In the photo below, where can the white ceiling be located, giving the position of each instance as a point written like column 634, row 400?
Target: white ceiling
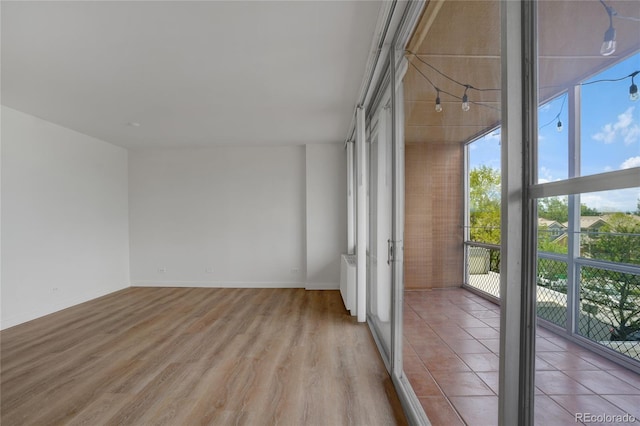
column 190, row 73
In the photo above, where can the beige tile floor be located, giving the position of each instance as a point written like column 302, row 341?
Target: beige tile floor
column 451, row 345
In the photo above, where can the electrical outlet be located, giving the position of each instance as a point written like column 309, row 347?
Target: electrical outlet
column 55, row 289
column 209, row 270
column 295, row 270
column 162, row 269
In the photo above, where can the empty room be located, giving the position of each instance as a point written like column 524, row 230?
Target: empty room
column 320, row 212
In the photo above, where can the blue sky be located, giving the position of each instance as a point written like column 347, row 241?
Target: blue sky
column 610, row 136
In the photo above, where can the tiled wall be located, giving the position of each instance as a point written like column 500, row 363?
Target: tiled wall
column 433, row 249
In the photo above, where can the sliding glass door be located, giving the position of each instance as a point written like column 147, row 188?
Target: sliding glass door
column 379, row 250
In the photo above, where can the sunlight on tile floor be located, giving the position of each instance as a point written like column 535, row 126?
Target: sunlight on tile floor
column 451, row 346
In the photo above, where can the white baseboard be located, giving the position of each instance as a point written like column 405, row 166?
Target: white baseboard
column 322, row 286
column 218, row 284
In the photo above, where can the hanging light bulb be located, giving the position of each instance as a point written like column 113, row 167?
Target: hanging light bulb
column 559, row 126
column 633, row 91
column 465, row 103
column 609, row 42
column 438, row 104
column 465, row 100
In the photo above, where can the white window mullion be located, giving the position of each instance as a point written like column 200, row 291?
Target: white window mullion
column 517, row 263
column 362, row 216
column 573, row 246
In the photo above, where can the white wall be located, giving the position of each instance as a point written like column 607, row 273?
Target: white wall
column 81, row 218
column 64, row 218
column 222, row 216
column 326, row 214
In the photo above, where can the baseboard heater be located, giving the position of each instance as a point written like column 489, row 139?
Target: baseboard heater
column 348, row 282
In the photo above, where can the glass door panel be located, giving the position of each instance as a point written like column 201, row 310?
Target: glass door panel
column 380, row 198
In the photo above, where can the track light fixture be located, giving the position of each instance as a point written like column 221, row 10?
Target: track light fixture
column 609, row 42
column 465, row 99
column 633, row 89
column 438, row 104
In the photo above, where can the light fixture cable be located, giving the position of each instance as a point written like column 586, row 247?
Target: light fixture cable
column 439, row 90
column 466, row 86
column 557, row 117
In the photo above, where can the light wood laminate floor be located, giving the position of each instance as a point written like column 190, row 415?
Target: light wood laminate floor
column 190, row 356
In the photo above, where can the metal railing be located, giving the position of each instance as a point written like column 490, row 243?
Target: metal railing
column 608, row 311
column 483, row 267
column 551, row 293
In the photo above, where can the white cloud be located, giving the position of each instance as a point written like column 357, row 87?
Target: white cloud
column 606, row 135
column 632, row 135
column 630, row 162
column 624, row 128
column 545, row 175
column 621, row 200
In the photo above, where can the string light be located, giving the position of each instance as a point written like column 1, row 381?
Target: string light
column 633, row 89
column 438, row 104
column 438, row 90
column 557, row 117
column 634, row 95
column 609, row 42
column 465, row 100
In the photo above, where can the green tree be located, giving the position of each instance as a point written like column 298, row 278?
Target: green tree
column 484, row 205
column 548, row 243
column 618, row 293
column 554, row 208
column 557, row 208
column 618, row 240
column 588, row 211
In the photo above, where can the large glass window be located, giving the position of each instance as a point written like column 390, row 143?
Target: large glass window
column 610, row 120
column 484, row 188
column 553, row 141
column 588, row 268
column 482, row 242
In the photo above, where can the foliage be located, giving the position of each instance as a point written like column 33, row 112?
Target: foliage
column 588, row 211
column 619, row 293
column 554, row 208
column 484, row 203
column 548, row 243
column 618, row 240
column 617, row 296
column 557, row 208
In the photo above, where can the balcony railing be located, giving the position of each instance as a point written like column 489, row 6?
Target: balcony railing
column 483, row 268
column 608, row 311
